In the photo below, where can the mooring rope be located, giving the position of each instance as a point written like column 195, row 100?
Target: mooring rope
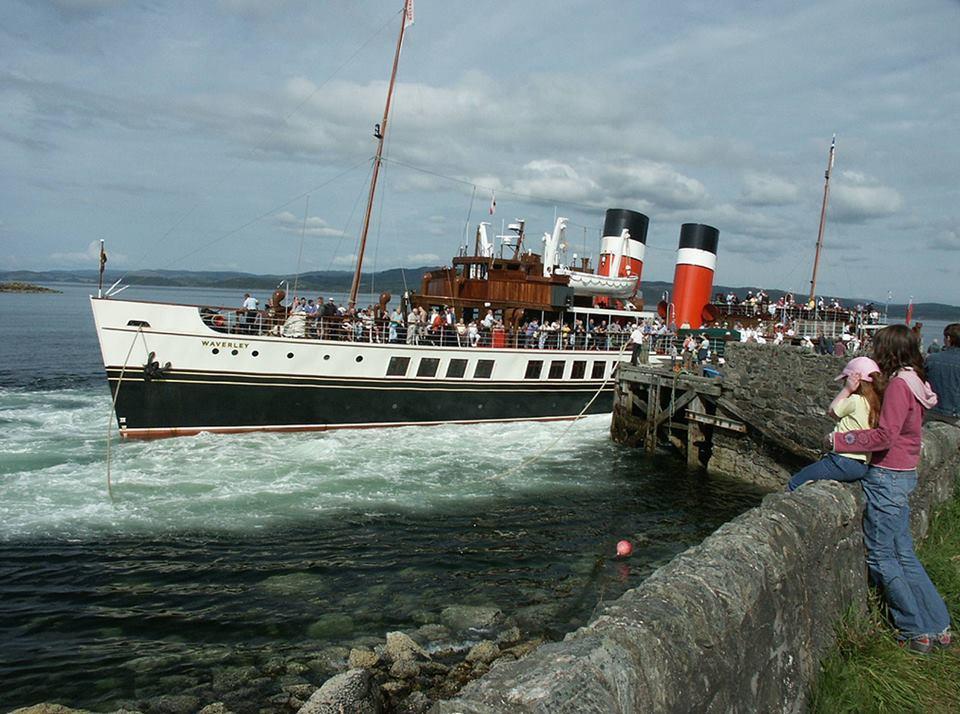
column 537, row 456
column 113, row 405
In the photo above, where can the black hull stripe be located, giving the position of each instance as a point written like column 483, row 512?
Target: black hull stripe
column 209, row 405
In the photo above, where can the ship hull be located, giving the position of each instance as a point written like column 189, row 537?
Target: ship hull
column 205, row 380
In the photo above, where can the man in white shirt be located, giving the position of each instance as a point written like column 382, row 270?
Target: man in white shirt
column 637, row 338
column 249, row 313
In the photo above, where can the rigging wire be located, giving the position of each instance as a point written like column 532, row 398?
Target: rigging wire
column 537, row 456
column 284, row 121
column 464, row 182
column 303, row 234
column 353, row 210
column 113, row 406
column 263, row 215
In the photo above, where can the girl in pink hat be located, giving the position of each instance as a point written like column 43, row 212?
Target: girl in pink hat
column 856, row 406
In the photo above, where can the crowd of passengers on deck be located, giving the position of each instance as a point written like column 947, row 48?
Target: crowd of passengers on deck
column 325, row 319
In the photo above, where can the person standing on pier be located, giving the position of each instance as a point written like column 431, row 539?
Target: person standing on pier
column 916, row 608
column 943, row 371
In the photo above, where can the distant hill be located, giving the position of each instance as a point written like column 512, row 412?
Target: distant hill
column 395, row 280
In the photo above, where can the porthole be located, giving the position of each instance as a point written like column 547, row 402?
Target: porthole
column 255, row 353
column 359, row 358
column 326, row 356
column 215, row 351
column 289, row 355
column 235, row 352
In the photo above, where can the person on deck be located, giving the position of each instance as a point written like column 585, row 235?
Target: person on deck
column 916, row 608
column 637, row 338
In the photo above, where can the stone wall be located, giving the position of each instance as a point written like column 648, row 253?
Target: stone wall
column 739, row 622
column 786, row 390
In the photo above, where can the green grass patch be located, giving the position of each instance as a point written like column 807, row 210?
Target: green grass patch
column 868, row 672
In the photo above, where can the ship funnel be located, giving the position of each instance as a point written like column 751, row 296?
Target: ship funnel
column 693, row 279
column 622, row 254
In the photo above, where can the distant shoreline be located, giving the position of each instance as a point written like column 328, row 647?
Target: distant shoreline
column 17, row 287
column 393, row 280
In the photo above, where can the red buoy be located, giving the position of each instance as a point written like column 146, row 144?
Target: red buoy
column 624, row 548
column 693, row 279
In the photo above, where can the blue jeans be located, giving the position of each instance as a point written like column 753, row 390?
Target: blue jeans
column 832, row 467
column 915, row 605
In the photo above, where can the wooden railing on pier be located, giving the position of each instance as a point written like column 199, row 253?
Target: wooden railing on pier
column 657, row 406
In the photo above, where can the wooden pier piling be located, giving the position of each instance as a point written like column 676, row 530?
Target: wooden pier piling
column 657, row 406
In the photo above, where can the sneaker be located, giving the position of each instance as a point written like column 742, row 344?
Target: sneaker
column 943, row 640
column 917, row 645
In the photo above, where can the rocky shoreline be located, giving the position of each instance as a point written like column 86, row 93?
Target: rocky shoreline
column 407, row 672
column 17, row 287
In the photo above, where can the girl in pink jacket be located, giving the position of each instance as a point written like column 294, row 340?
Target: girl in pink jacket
column 917, row 609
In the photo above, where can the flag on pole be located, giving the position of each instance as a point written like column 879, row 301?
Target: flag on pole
column 493, row 203
column 910, row 311
column 408, row 14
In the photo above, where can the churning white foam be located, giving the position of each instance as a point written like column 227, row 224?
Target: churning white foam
column 53, row 470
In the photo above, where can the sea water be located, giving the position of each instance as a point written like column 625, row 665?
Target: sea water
column 217, row 551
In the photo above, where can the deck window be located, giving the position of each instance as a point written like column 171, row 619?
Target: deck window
column 428, row 367
column 398, row 366
column 534, row 367
column 598, row 369
column 483, row 369
column 556, row 369
column 579, row 370
column 457, row 368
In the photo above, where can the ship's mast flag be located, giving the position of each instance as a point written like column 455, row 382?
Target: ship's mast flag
column 408, row 14
column 493, row 203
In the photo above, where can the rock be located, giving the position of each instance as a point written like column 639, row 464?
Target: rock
column 362, row 658
column 352, row 692
column 414, row 703
column 524, row 648
column 483, row 652
column 48, row 709
column 298, row 585
column 331, row 626
column 508, row 636
column 173, row 704
column 394, row 687
column 229, row 679
column 274, row 667
column 471, row 618
column 401, row 646
column 404, row 669
column 432, row 633
column 215, row 708
column 329, row 661
column 301, row 691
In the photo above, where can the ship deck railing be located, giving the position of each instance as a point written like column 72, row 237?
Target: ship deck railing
column 380, row 332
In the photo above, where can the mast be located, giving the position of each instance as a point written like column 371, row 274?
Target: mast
column 823, row 220
column 380, row 133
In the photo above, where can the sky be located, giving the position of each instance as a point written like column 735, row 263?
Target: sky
column 238, row 134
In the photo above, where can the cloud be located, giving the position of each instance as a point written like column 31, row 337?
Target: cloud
column 948, row 239
column 857, row 198
column 89, row 258
column 313, row 226
column 345, row 260
column 761, row 189
column 418, row 260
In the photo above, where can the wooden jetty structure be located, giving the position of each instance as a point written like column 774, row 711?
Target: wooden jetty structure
column 656, row 406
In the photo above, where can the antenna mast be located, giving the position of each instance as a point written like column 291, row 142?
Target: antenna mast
column 823, row 220
column 380, row 134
